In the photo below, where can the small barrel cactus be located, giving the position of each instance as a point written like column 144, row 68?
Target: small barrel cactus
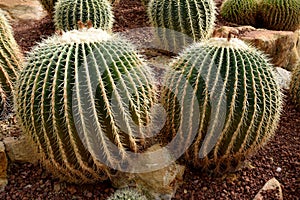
column 48, row 5
column 69, row 12
column 295, row 85
column 77, row 98
column 280, row 14
column 221, row 97
column 241, row 12
column 10, row 64
column 180, row 22
column 127, row 194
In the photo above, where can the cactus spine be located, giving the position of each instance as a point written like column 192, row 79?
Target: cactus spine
column 295, row 85
column 127, row 194
column 69, row 12
column 48, row 5
column 280, row 14
column 193, row 20
column 241, row 12
column 233, row 98
column 10, row 63
column 55, row 102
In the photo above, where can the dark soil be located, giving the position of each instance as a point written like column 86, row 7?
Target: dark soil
column 27, row 181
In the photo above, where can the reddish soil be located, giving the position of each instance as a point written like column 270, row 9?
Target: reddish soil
column 27, row 181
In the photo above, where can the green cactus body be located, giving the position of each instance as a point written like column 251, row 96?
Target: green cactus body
column 69, row 12
column 10, row 63
column 48, row 5
column 84, row 82
column 295, row 85
column 241, row 12
column 127, row 194
column 280, row 14
column 222, row 98
column 180, row 22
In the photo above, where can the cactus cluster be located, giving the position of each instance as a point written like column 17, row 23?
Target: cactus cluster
column 271, row 14
column 69, row 12
column 280, row 14
column 221, row 96
column 81, row 81
column 48, row 5
column 127, row 194
column 241, row 12
column 10, row 64
column 181, row 22
column 295, row 85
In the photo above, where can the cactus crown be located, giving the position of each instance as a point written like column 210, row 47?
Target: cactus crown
column 222, row 94
column 10, row 63
column 127, row 194
column 280, row 14
column 180, row 22
column 81, row 96
column 69, row 12
column 241, row 12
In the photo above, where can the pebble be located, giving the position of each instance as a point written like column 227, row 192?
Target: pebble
column 278, row 169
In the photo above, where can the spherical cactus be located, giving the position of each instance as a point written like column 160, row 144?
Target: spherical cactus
column 127, row 194
column 69, row 12
column 48, row 5
column 10, row 64
column 180, row 22
column 222, row 100
column 80, row 97
column 295, row 85
column 280, row 14
column 241, row 12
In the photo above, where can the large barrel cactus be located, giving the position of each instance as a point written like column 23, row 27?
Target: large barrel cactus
column 241, row 12
column 180, row 22
column 81, row 96
column 280, row 14
column 222, row 101
column 48, row 5
column 69, row 12
column 10, row 64
column 295, row 85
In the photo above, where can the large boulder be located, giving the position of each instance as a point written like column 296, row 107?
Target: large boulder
column 282, row 47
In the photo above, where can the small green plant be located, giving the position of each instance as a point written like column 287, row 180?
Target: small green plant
column 223, row 94
column 77, row 98
column 241, row 12
column 127, row 194
column 295, row 85
column 48, row 5
column 180, row 22
column 69, row 12
column 280, row 14
column 10, row 64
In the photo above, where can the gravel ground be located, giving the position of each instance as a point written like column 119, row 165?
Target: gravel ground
column 27, row 181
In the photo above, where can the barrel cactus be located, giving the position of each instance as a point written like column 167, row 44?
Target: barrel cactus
column 48, row 5
column 241, row 12
column 180, row 22
column 79, row 97
column 295, row 85
column 69, row 12
column 10, row 64
column 127, row 194
column 280, row 14
column 222, row 101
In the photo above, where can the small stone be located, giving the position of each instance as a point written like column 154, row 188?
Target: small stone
column 56, row 187
column 89, row 195
column 185, row 191
column 278, row 169
column 27, row 186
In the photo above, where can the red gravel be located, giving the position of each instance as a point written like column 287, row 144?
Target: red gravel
column 27, row 181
